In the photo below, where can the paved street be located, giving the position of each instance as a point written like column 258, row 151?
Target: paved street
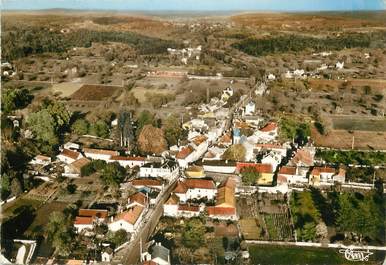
column 131, row 253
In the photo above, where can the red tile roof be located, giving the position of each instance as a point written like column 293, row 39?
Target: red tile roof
column 128, row 158
column 199, row 139
column 261, row 168
column 200, row 184
column 80, row 220
column 78, row 164
column 281, row 179
column 184, row 152
column 93, row 213
column 138, row 197
column 270, row 126
column 131, row 216
column 270, row 146
column 287, row 170
column 213, row 210
column 226, row 139
column 181, row 187
column 146, row 182
column 188, row 208
column 317, row 170
column 70, row 154
column 173, row 200
column 303, row 156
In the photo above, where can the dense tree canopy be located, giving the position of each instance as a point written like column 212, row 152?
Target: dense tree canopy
column 235, row 152
column 152, row 140
column 22, row 41
column 194, row 234
column 13, row 99
column 60, row 233
column 296, row 43
column 173, row 129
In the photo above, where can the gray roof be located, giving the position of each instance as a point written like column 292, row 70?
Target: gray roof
column 161, row 252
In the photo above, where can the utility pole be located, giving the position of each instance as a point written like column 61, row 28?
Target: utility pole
column 352, row 144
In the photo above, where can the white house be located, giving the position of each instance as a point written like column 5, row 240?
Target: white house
column 273, row 158
column 195, row 189
column 271, row 77
column 192, row 152
column 107, row 254
column 147, row 182
column 40, row 160
column 219, row 166
column 171, row 206
column 68, row 156
column 71, row 146
column 83, row 222
column 99, row 154
column 250, row 108
column 321, row 175
column 339, row 65
column 128, row 220
column 291, row 176
column 167, row 170
column 126, row 161
column 267, row 133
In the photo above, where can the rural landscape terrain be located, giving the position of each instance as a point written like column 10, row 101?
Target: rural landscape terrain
column 193, row 138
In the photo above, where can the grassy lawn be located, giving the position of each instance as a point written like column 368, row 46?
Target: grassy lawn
column 11, row 209
column 268, row 255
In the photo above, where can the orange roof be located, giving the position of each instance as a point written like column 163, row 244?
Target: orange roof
column 199, row 139
column 226, row 139
column 184, row 152
column 303, row 156
column 261, row 168
column 317, row 170
column 128, row 158
column 78, row 164
column 149, row 262
column 146, row 182
column 214, row 210
column 270, row 126
column 138, row 197
column 287, row 170
column 43, row 157
column 188, row 208
column 100, row 151
column 173, row 200
column 200, row 184
column 180, row 187
column 281, row 179
column 80, row 220
column 93, row 213
column 131, row 216
column 70, row 153
column 270, row 146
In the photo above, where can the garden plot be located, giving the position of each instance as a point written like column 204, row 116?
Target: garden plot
column 358, row 124
column 94, row 92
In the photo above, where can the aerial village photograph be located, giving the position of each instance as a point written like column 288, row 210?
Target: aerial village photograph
column 173, row 132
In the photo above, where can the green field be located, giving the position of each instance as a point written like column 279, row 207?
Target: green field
column 280, row 255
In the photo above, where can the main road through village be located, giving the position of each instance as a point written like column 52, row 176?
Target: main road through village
column 131, row 253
